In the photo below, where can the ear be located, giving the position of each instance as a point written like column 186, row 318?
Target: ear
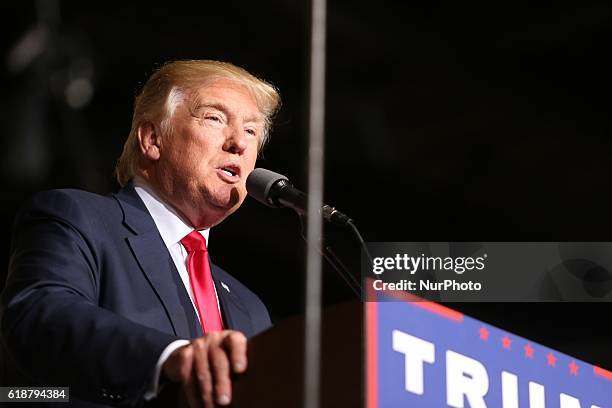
column 149, row 140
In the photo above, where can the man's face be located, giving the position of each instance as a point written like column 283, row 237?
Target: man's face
column 210, row 151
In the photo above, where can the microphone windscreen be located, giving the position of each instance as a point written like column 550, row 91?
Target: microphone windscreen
column 259, row 183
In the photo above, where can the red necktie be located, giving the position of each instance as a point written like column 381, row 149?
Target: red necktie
column 201, row 282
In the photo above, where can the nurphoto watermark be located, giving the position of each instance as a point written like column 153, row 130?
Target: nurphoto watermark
column 490, row 271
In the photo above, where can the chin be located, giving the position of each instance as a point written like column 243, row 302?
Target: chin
column 229, row 204
column 225, row 209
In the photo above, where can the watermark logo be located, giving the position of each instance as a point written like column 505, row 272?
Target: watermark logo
column 412, row 264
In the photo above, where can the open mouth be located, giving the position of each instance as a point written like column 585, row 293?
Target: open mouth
column 230, row 172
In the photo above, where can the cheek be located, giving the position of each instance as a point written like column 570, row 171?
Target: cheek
column 186, row 163
column 250, row 160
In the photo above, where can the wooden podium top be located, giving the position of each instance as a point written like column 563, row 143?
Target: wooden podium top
column 275, row 374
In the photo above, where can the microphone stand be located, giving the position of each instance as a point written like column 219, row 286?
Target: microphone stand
column 329, row 255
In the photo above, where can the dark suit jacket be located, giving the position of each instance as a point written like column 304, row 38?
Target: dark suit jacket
column 93, row 298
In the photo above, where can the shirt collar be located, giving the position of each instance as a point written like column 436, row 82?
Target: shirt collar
column 170, row 224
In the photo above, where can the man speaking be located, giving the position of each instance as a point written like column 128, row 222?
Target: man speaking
column 114, row 296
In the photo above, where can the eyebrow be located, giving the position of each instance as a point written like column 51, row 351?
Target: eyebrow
column 220, row 106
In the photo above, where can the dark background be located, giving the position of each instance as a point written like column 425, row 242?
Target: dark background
column 445, row 122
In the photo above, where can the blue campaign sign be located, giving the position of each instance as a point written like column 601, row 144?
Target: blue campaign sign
column 422, row 354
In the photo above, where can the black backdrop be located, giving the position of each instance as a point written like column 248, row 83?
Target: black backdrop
column 458, row 121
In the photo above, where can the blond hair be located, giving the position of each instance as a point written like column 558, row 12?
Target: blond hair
column 166, row 89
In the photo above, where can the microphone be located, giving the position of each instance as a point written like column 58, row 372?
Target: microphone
column 275, row 190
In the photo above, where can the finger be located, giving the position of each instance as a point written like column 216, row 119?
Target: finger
column 201, row 372
column 190, row 388
column 220, row 368
column 178, row 365
column 236, row 345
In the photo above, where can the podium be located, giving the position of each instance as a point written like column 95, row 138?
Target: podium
column 413, row 353
column 275, row 373
column 276, row 363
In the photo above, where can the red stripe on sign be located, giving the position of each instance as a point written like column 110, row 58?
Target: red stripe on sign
column 371, row 371
column 440, row 310
column 414, row 300
column 602, row 373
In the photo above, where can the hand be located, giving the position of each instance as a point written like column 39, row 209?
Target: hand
column 203, row 367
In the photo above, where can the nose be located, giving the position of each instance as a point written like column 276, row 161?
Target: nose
column 236, row 140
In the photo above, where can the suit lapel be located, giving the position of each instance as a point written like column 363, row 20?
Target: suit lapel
column 157, row 265
column 235, row 313
column 154, row 259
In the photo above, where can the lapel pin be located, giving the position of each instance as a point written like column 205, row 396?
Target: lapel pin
column 225, row 286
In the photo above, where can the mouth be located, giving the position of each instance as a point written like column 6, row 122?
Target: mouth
column 230, row 173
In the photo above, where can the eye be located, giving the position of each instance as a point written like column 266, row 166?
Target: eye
column 251, row 132
column 213, row 118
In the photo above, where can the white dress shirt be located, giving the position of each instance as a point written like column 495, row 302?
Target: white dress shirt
column 172, row 229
